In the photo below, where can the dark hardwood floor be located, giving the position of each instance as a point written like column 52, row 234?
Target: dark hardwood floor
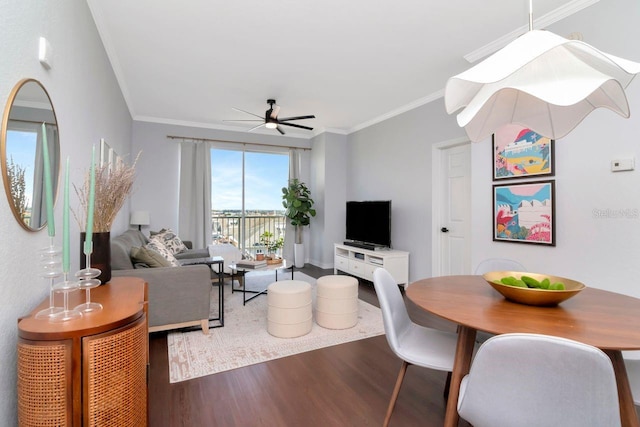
column 348, row 384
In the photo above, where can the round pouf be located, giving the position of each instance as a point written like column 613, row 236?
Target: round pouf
column 289, row 308
column 337, row 302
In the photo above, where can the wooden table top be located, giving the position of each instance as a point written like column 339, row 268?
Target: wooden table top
column 604, row 319
column 123, row 300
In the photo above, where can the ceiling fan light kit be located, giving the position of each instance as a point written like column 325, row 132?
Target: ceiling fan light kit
column 542, row 81
column 271, row 119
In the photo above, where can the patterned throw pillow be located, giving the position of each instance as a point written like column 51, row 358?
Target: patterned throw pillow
column 169, row 239
column 157, row 246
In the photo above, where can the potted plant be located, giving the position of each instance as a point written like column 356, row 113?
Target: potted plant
column 296, row 198
column 268, row 240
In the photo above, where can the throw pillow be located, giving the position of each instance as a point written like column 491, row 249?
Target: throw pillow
column 154, row 233
column 156, row 245
column 149, row 257
column 168, row 238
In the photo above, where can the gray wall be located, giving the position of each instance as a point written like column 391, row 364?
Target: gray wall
column 89, row 106
column 329, row 165
column 392, row 161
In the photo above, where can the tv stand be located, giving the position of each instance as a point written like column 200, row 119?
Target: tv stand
column 361, row 245
column 361, row 262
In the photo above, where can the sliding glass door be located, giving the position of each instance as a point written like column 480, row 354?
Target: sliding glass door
column 246, row 197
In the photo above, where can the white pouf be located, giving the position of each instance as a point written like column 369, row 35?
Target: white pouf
column 337, row 302
column 289, row 312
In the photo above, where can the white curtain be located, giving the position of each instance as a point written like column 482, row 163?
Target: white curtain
column 194, row 215
column 290, row 231
column 38, row 199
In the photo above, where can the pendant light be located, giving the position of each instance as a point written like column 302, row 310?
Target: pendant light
column 541, row 81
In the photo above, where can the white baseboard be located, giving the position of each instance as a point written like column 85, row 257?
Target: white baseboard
column 320, row 264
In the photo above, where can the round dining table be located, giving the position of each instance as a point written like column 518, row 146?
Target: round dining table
column 603, row 319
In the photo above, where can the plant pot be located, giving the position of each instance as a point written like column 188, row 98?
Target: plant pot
column 298, row 255
column 101, row 255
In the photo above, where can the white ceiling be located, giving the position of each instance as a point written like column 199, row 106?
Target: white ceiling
column 349, row 62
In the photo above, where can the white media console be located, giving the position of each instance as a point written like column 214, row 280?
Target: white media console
column 362, row 262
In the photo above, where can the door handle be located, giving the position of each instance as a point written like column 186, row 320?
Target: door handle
column 444, row 229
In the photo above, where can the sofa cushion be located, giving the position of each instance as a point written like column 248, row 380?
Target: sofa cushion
column 169, row 239
column 150, row 258
column 157, row 246
column 121, row 248
column 193, row 253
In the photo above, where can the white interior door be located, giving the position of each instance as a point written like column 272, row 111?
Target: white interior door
column 452, row 210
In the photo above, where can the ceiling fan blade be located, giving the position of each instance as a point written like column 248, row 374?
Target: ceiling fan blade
column 243, row 120
column 256, row 127
column 242, row 111
column 280, row 130
column 295, row 126
column 275, row 111
column 297, row 118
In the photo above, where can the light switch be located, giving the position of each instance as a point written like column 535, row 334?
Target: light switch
column 44, row 53
column 620, row 165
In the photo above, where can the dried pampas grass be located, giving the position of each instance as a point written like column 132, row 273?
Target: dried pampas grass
column 111, row 190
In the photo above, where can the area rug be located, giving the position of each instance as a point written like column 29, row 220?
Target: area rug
column 244, row 339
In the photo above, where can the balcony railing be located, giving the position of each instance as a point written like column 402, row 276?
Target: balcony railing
column 230, row 229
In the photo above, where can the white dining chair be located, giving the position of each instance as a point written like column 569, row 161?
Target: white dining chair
column 414, row 344
column 522, row 380
column 498, row 264
column 632, row 364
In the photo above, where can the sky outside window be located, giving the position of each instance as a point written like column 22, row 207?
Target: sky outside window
column 265, row 175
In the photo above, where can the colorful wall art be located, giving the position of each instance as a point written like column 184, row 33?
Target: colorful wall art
column 521, row 153
column 524, row 212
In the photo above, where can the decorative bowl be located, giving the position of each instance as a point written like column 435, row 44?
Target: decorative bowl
column 533, row 296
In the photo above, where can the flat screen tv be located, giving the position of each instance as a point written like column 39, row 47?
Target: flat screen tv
column 369, row 222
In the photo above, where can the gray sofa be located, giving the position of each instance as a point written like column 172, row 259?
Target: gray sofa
column 178, row 296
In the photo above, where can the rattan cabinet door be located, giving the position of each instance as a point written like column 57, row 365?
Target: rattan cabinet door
column 44, row 375
column 115, row 377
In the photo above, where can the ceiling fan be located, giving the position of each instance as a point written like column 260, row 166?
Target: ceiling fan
column 271, row 120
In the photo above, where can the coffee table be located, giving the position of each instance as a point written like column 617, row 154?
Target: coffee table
column 219, row 262
column 241, row 273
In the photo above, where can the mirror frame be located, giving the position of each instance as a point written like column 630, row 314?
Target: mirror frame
column 3, row 151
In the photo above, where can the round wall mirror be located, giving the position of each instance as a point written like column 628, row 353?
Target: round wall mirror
column 28, row 118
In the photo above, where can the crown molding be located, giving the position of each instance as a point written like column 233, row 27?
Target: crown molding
column 106, row 39
column 408, row 107
column 214, row 126
column 542, row 22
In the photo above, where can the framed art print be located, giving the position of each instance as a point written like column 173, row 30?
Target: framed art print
column 519, row 152
column 524, row 212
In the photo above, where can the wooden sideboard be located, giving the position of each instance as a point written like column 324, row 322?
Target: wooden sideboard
column 91, row 371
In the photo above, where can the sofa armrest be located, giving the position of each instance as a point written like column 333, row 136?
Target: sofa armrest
column 193, row 253
column 176, row 294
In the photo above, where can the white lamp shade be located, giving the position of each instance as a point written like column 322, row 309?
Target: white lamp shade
column 541, row 81
column 139, row 218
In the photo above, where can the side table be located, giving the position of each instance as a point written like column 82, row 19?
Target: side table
column 218, row 261
column 88, row 371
